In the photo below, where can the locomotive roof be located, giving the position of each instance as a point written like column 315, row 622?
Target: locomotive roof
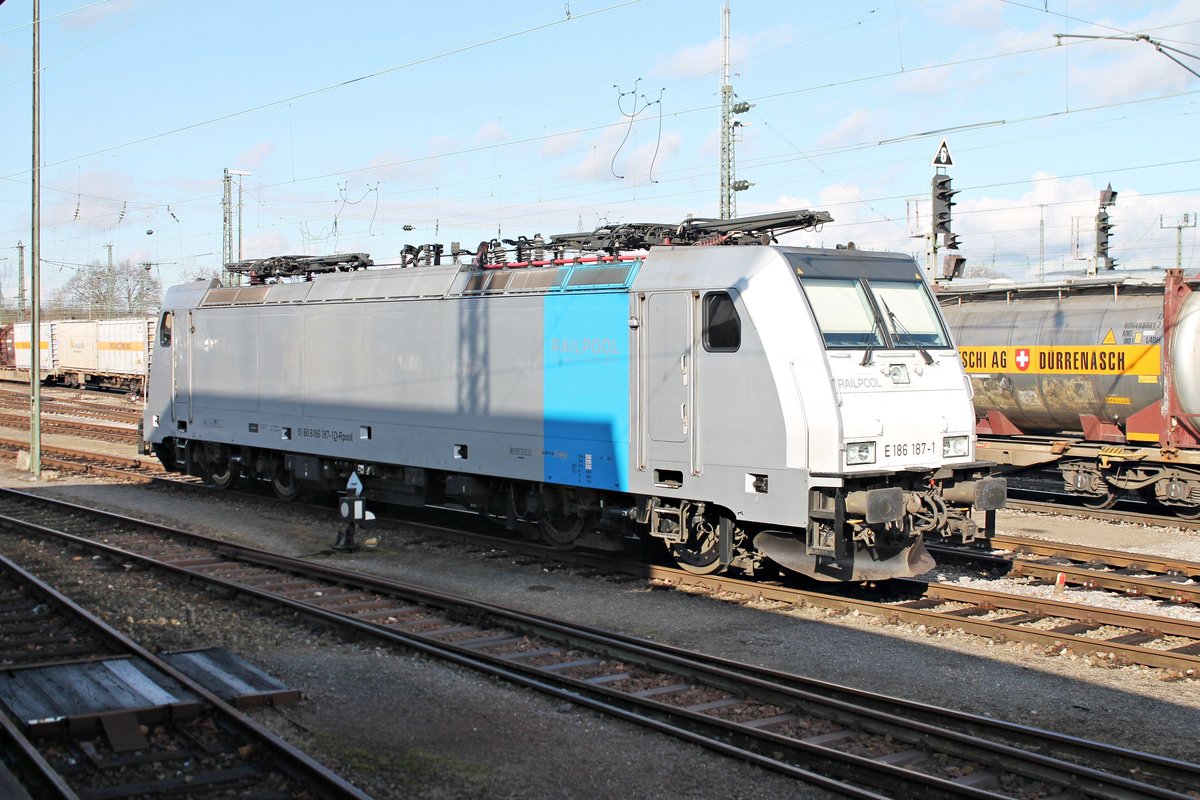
column 672, row 267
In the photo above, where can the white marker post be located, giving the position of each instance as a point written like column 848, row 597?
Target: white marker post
column 353, row 508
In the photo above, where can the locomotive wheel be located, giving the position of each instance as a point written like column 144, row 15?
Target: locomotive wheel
column 558, row 526
column 286, row 487
column 562, row 532
column 698, row 558
column 222, row 477
column 700, row 553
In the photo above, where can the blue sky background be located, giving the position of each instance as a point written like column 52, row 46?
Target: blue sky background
column 468, row 119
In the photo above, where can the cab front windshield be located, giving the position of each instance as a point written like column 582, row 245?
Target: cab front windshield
column 858, row 313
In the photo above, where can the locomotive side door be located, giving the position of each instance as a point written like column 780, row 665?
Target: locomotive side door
column 181, row 367
column 667, row 385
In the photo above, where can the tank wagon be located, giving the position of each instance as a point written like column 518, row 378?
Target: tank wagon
column 111, row 353
column 1095, row 382
column 736, row 403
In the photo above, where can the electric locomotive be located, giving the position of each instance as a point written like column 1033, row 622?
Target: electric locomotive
column 697, row 384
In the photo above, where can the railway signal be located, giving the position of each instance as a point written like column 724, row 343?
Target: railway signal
column 1104, row 228
column 943, row 202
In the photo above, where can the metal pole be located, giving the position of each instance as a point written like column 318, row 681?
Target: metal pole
column 726, row 204
column 1041, row 244
column 35, row 282
column 239, row 217
column 1186, row 221
column 227, row 231
column 20, row 282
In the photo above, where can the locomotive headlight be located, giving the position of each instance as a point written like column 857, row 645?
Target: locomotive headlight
column 955, row 446
column 860, row 453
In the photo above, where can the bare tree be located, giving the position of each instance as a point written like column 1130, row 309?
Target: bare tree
column 101, row 291
column 202, row 274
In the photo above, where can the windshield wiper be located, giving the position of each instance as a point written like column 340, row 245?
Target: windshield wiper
column 901, row 329
column 877, row 325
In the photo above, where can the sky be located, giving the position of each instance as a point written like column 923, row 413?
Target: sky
column 367, row 125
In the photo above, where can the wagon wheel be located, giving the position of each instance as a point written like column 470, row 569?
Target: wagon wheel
column 1099, row 502
column 1186, row 512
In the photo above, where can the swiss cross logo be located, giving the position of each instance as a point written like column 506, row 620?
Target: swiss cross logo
column 1022, row 358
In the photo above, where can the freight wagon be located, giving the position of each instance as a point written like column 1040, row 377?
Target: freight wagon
column 1093, row 381
column 111, row 353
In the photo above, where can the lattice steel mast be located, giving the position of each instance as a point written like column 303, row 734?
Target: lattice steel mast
column 728, row 204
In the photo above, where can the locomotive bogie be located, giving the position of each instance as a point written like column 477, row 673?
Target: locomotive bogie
column 684, row 395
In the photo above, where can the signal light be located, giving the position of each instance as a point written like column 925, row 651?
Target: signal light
column 1103, row 233
column 942, row 203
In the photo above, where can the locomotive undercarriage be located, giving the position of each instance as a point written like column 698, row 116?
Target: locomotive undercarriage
column 870, row 531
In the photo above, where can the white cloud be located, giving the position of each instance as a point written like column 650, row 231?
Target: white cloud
column 252, row 159
column 860, row 125
column 976, row 15
column 90, row 16
column 490, row 132
column 702, row 59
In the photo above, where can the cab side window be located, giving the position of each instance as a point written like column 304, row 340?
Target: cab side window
column 164, row 328
column 722, row 325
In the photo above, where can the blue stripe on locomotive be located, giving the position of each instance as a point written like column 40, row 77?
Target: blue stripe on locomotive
column 586, row 389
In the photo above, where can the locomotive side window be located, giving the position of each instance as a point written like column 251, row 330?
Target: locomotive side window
column 844, row 312
column 722, row 325
column 164, row 328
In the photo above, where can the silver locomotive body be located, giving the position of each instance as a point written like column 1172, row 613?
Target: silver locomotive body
column 685, row 393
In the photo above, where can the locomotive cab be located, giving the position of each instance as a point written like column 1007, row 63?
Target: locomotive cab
column 833, row 435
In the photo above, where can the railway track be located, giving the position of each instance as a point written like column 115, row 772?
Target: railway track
column 1133, row 513
column 85, row 462
column 1042, row 562
column 69, row 427
column 1109, row 636
column 175, row 737
column 68, row 404
column 858, row 743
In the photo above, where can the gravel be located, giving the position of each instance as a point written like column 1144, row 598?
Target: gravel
column 401, row 725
